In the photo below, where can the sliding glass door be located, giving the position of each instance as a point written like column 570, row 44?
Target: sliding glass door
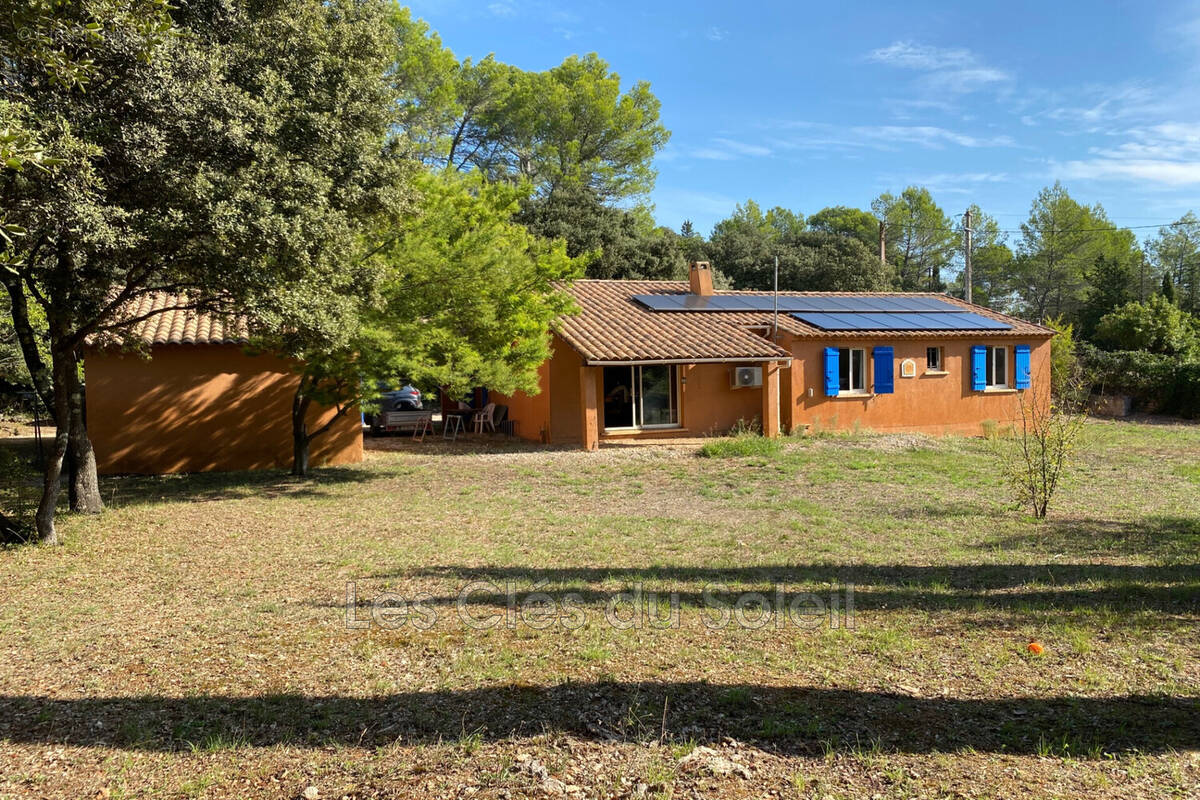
column 641, row 397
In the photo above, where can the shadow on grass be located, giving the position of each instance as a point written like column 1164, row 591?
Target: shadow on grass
column 794, row 720
column 199, row 487
column 1174, row 589
column 1155, row 536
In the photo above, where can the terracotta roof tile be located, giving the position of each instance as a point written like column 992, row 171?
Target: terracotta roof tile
column 612, row 326
column 161, row 321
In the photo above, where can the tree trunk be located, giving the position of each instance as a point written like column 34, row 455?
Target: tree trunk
column 300, row 450
column 51, row 485
column 27, row 339
column 85, row 483
column 300, row 438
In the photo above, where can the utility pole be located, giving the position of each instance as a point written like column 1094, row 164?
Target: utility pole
column 882, row 243
column 775, row 321
column 967, row 281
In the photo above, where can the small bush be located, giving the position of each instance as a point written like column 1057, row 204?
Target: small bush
column 1156, row 382
column 741, row 446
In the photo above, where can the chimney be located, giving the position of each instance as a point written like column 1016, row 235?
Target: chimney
column 700, row 277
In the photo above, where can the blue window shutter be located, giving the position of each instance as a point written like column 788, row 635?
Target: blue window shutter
column 1022, row 358
column 978, row 367
column 885, row 382
column 831, row 372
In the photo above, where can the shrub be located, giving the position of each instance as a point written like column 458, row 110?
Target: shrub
column 1157, row 382
column 1064, row 363
column 741, row 446
column 1040, row 450
column 1157, row 326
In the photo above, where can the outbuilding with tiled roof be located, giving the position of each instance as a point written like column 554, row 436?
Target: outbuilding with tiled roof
column 177, row 391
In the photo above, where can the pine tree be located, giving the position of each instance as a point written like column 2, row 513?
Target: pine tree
column 1168, row 288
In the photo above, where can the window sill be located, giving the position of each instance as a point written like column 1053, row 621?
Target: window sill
column 999, row 390
column 851, row 395
column 937, row 372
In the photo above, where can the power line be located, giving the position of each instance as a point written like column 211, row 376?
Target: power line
column 1110, row 229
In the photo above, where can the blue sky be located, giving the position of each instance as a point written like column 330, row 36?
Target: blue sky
column 807, row 105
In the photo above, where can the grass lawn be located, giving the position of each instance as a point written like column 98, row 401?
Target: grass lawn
column 195, row 639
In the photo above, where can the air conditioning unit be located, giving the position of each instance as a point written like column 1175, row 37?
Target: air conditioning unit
column 745, row 377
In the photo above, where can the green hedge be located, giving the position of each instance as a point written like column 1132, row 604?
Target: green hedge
column 1155, row 382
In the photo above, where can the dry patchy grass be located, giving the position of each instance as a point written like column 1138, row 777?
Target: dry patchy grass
column 193, row 641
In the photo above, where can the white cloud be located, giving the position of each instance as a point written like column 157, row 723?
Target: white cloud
column 904, row 108
column 803, row 135
column 955, row 70
column 743, row 148
column 716, row 34
column 1093, row 107
column 717, row 149
column 1165, row 173
column 910, row 55
column 927, row 136
column 502, row 9
column 1167, row 155
column 952, row 182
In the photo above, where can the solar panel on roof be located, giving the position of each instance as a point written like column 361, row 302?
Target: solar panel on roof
column 692, row 302
column 930, row 310
column 660, row 302
column 900, row 321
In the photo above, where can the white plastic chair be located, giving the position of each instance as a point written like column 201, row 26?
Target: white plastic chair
column 485, row 417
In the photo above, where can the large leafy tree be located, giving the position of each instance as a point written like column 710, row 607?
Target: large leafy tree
column 467, row 296
column 1110, row 286
column 847, row 221
column 457, row 295
column 618, row 242
column 217, row 163
column 568, row 126
column 584, row 145
column 1059, row 244
column 921, row 239
column 1175, row 252
column 745, row 246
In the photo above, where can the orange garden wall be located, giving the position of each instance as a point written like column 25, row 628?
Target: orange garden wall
column 926, row 403
column 199, row 408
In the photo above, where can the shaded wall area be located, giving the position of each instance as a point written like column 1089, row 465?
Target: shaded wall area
column 202, row 408
column 707, row 404
column 930, row 402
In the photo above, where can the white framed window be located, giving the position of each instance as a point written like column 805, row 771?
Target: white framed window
column 933, row 359
column 852, row 370
column 995, row 375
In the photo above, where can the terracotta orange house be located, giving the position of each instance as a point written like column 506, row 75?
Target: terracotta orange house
column 656, row 359
column 199, row 403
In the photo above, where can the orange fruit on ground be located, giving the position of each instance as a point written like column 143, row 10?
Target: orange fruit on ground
column 1036, row 648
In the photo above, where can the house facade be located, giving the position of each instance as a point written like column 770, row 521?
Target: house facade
column 199, row 402
column 659, row 359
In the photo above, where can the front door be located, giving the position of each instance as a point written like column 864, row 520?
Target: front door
column 618, row 397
